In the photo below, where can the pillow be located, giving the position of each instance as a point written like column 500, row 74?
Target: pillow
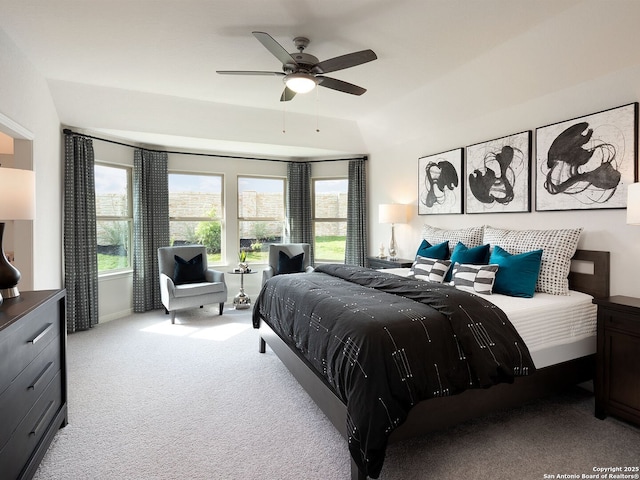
column 465, row 255
column 471, row 237
column 558, row 246
column 188, row 271
column 288, row 264
column 478, row 278
column 429, row 269
column 518, row 274
column 439, row 251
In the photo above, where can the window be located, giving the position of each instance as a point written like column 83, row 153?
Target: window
column 330, row 219
column 196, row 212
column 261, row 206
column 114, row 218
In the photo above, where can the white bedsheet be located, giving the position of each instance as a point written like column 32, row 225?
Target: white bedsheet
column 555, row 328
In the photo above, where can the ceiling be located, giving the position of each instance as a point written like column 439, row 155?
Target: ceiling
column 172, row 48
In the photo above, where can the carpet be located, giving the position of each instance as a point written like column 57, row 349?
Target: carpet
column 195, row 400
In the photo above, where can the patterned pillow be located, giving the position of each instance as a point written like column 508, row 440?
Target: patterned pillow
column 429, row 269
column 558, row 246
column 478, row 278
column 471, row 237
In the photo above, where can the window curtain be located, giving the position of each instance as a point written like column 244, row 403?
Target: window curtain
column 357, row 241
column 150, row 225
column 299, row 204
column 80, row 242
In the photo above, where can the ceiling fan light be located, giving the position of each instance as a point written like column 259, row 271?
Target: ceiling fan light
column 300, row 82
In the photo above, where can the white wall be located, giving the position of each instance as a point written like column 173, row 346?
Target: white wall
column 26, row 101
column 537, row 79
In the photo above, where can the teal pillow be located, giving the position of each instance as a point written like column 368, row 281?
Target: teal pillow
column 469, row 256
column 517, row 274
column 437, row 252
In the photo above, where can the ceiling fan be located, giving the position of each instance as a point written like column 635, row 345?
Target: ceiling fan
column 301, row 72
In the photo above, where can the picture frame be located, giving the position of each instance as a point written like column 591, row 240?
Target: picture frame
column 499, row 175
column 440, row 183
column 587, row 162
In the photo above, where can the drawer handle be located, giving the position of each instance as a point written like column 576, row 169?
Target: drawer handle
column 42, row 334
column 40, row 421
column 40, row 377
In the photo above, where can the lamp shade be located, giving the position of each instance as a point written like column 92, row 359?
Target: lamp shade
column 392, row 213
column 300, row 82
column 633, row 204
column 17, row 194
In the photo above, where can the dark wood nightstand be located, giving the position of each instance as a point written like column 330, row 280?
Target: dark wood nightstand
column 375, row 262
column 617, row 383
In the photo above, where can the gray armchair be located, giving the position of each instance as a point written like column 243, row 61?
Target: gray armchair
column 203, row 286
column 291, row 249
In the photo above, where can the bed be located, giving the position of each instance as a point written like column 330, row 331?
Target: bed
column 555, row 359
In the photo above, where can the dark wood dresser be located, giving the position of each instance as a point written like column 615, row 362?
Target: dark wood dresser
column 33, row 379
column 617, row 384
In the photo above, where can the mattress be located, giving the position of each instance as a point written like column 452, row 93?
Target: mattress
column 555, row 328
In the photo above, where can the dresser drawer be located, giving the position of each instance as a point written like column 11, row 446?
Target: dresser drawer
column 21, row 342
column 621, row 321
column 27, row 387
column 14, row 455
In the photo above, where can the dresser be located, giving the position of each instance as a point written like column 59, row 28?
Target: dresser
column 33, row 379
column 617, row 383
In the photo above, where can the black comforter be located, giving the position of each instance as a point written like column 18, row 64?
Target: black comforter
column 386, row 342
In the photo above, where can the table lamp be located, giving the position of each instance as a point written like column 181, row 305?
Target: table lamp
column 633, row 204
column 392, row 213
column 17, row 202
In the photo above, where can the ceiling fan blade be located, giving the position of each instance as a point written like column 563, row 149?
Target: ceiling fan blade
column 340, row 85
column 275, row 48
column 249, row 72
column 287, row 94
column 346, row 61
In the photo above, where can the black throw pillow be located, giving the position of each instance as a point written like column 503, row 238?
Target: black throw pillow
column 290, row 265
column 188, row 271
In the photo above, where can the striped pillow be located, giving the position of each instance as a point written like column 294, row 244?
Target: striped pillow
column 429, row 269
column 478, row 278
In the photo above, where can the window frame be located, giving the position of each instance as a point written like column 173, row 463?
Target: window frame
column 315, row 219
column 220, row 216
column 115, row 218
column 240, row 218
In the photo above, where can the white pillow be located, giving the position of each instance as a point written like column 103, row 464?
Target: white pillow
column 558, row 246
column 478, row 278
column 429, row 269
column 471, row 237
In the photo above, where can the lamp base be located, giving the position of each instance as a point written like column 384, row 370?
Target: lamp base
column 10, row 292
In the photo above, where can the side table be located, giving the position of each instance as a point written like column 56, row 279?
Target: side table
column 377, row 262
column 242, row 301
column 617, row 382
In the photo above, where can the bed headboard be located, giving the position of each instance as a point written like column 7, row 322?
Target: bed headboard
column 595, row 282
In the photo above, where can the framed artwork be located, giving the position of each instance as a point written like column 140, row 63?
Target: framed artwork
column 440, row 180
column 587, row 162
column 499, row 175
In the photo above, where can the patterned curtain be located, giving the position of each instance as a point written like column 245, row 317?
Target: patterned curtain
column 150, row 225
column 357, row 241
column 299, row 204
column 80, row 242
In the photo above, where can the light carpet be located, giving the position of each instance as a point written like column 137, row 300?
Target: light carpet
column 195, row 400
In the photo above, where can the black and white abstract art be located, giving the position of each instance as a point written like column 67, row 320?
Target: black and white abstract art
column 440, row 181
column 587, row 162
column 498, row 178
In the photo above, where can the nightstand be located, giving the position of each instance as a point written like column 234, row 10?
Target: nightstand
column 375, row 262
column 617, row 383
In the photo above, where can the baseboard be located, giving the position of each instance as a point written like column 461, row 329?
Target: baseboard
column 115, row 316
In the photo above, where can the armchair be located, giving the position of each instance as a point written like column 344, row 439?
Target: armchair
column 291, row 250
column 188, row 282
